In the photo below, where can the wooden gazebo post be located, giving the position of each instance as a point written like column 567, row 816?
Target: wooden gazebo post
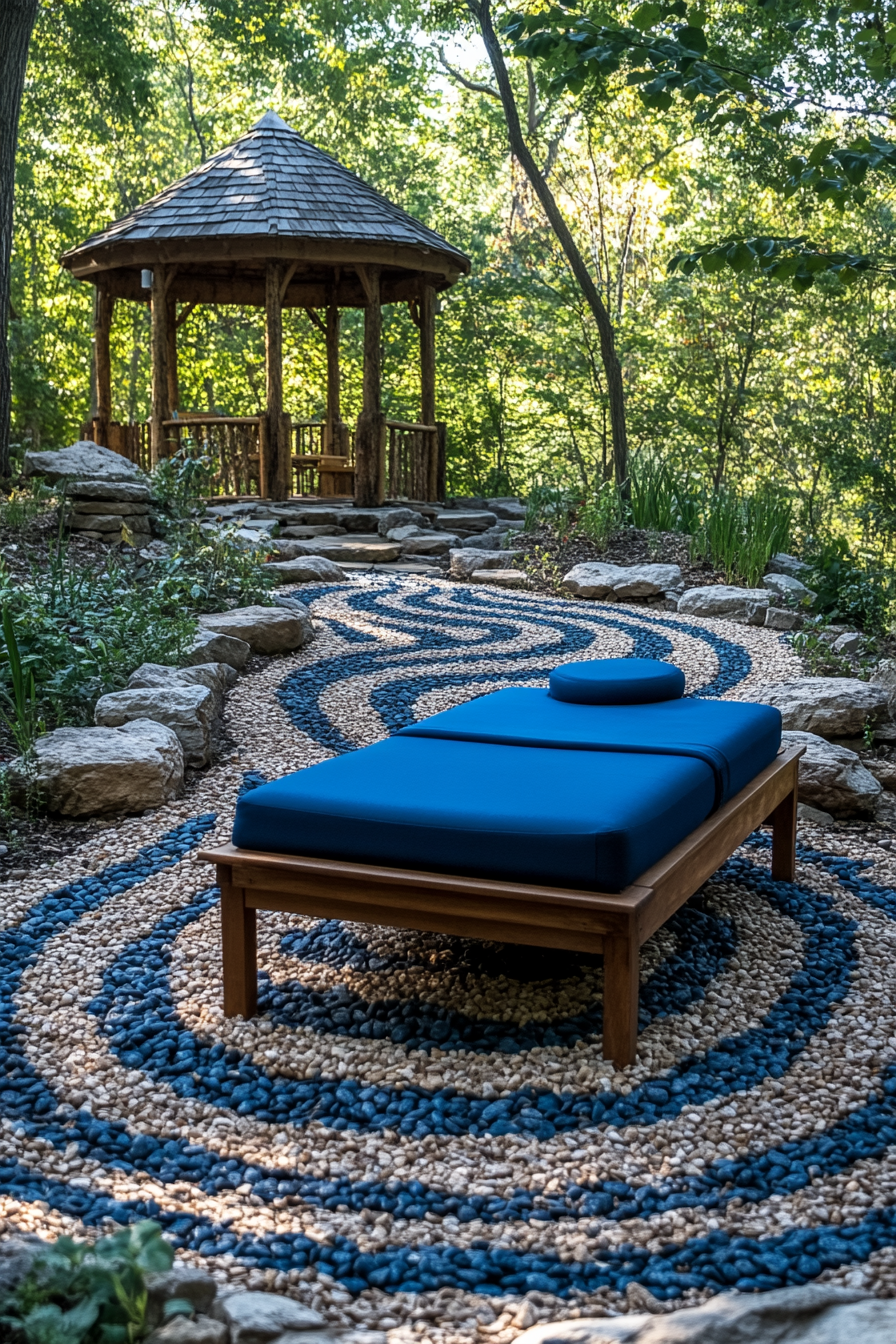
column 428, row 380
column 333, row 438
column 275, row 473
column 102, row 327
column 171, row 357
column 159, row 347
column 370, row 465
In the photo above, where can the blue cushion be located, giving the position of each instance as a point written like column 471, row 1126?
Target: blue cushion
column 735, row 739
column 586, row 819
column 617, row 681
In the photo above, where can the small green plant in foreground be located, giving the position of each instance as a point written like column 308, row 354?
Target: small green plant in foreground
column 82, row 1293
column 210, row 570
column 20, row 507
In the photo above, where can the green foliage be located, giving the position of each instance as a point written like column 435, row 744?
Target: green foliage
column 179, row 481
column 80, row 632
column 858, row 590
column 208, row 570
column 662, row 501
column 21, row 506
column 83, row 1293
column 794, row 259
column 551, row 505
column 738, row 534
column 601, row 515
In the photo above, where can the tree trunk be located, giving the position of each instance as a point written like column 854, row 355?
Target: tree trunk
column 17, row 18
column 481, row 11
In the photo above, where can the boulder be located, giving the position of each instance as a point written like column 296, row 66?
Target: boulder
column 187, row 1330
column 884, row 771
column 264, row 629
column 358, row 520
column 217, row 677
column 456, row 521
column 815, row 1313
column 84, row 772
column 82, row 461
column 621, row 583
column 495, row 539
column 502, row 578
column 393, row 518
column 186, row 1282
column 833, row 778
column 17, row 1255
column 813, row 816
column 785, row 585
column 129, row 492
column 466, row 560
column 847, row 643
column 781, row 618
column 187, row 710
column 306, row 569
column 832, row 707
column 210, row 647
column 723, row 600
column 255, row 1318
column 429, row 543
column 511, row 509
column 786, row 564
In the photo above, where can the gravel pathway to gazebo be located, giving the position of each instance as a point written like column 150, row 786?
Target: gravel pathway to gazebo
column 419, row 1132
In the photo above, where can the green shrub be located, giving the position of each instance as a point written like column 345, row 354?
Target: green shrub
column 208, row 570
column 550, row 504
column 81, row 632
column 78, row 1293
column 857, row 589
column 179, row 481
column 602, row 515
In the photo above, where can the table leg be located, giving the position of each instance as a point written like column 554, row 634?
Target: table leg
column 621, row 983
column 783, row 821
column 239, row 949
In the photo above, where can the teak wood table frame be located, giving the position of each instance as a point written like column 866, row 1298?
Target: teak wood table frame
column 510, row 912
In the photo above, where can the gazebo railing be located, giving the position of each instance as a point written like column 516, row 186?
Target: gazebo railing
column 411, row 459
column 314, row 471
column 232, row 441
column 131, row 440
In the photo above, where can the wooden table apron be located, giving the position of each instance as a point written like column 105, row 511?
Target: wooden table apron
column 511, row 912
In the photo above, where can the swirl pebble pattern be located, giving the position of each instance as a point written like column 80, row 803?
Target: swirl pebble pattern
column 421, row 1129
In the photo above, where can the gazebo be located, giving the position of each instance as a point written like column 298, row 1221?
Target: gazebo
column 274, row 222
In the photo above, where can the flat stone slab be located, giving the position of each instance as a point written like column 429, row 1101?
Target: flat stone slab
column 134, row 492
column 84, row 461
column 88, row 772
column 265, row 629
column 501, row 578
column 373, row 552
column 305, row 569
column 454, row 520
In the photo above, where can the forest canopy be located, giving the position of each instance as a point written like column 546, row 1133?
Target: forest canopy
column 725, row 171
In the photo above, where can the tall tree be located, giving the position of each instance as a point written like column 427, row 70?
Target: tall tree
column 481, row 11
column 17, row 19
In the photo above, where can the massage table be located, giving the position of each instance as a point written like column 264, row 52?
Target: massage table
column 579, row 817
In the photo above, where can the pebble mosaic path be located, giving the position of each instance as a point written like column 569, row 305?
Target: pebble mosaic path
column 418, row 1134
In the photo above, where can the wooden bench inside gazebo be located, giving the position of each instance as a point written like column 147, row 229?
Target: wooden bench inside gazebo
column 273, row 222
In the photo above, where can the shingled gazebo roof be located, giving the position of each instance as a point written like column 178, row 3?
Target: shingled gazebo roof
column 270, row 195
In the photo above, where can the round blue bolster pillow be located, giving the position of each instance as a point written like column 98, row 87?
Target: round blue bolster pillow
column 617, row 681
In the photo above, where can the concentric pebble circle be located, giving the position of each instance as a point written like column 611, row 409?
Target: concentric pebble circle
column 418, row 1131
